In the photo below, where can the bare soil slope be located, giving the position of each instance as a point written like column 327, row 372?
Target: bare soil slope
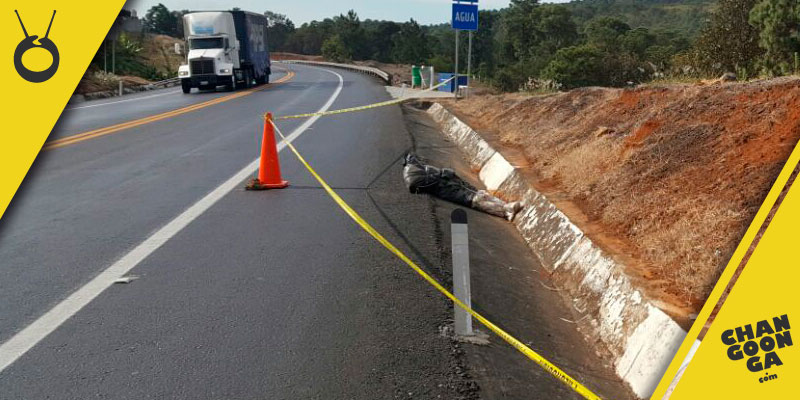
column 97, row 81
column 669, row 177
column 159, row 51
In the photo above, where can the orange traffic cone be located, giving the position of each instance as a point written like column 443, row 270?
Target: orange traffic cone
column 269, row 173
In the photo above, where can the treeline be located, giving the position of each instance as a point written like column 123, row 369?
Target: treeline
column 346, row 37
column 749, row 37
column 533, row 46
column 526, row 45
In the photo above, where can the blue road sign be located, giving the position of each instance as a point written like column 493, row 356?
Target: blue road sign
column 465, row 17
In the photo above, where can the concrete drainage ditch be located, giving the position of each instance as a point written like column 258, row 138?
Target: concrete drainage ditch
column 638, row 337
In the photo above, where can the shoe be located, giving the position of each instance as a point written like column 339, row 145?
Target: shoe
column 512, row 209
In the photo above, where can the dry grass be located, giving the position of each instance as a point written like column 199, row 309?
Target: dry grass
column 159, row 51
column 674, row 173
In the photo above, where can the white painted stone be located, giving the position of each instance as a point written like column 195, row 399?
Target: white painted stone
column 495, row 172
column 641, row 338
column 649, row 351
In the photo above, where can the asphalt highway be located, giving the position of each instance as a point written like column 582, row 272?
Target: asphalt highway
column 262, row 295
column 243, row 295
column 90, row 115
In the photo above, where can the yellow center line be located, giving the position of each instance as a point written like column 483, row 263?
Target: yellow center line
column 80, row 137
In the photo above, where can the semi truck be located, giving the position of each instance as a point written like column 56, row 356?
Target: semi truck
column 225, row 48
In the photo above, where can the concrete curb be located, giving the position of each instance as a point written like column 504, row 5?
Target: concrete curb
column 639, row 338
column 385, row 76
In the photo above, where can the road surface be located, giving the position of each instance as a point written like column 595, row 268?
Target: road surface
column 245, row 294
column 263, row 295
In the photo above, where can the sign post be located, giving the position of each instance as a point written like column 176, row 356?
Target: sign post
column 469, row 64
column 465, row 18
column 455, row 74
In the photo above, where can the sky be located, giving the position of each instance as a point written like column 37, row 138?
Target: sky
column 300, row 11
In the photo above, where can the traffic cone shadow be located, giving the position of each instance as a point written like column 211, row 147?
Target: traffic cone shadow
column 269, row 172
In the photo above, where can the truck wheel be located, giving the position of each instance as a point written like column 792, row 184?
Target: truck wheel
column 186, row 86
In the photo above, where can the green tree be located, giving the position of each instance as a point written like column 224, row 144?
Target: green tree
column 777, row 22
column 577, row 66
column 308, row 39
column 334, row 49
column 634, row 38
column 666, row 44
column 410, row 44
column 554, row 28
column 529, row 35
column 348, row 28
column 279, row 28
column 685, row 16
column 159, row 19
column 729, row 43
column 518, row 26
column 531, row 28
column 484, row 49
column 606, row 33
column 381, row 39
column 637, row 41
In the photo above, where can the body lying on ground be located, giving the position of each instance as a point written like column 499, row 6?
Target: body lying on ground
column 446, row 185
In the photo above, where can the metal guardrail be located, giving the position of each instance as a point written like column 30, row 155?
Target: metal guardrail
column 385, row 76
column 165, row 82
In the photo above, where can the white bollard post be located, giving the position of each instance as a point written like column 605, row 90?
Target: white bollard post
column 460, row 242
column 120, row 87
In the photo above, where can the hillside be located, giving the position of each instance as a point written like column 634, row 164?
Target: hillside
column 158, row 51
column 140, row 59
column 667, row 178
column 686, row 16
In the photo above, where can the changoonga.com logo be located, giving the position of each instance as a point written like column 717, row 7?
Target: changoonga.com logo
column 760, row 345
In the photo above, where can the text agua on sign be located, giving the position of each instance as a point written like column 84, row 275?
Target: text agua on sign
column 464, row 16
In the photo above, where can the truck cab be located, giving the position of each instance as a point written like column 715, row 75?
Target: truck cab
column 225, row 48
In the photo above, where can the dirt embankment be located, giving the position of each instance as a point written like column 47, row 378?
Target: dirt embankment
column 668, row 177
column 156, row 51
column 401, row 73
column 94, row 81
column 159, row 51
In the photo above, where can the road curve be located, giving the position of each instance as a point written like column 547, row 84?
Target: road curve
column 82, row 117
column 264, row 295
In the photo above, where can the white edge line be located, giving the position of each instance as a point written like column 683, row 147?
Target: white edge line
column 27, row 338
column 123, row 101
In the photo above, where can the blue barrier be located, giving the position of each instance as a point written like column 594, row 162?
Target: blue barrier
column 463, row 80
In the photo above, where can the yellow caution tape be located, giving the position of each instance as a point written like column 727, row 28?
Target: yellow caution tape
column 361, row 108
column 546, row 365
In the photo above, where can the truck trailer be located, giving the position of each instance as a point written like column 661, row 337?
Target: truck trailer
column 225, row 48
